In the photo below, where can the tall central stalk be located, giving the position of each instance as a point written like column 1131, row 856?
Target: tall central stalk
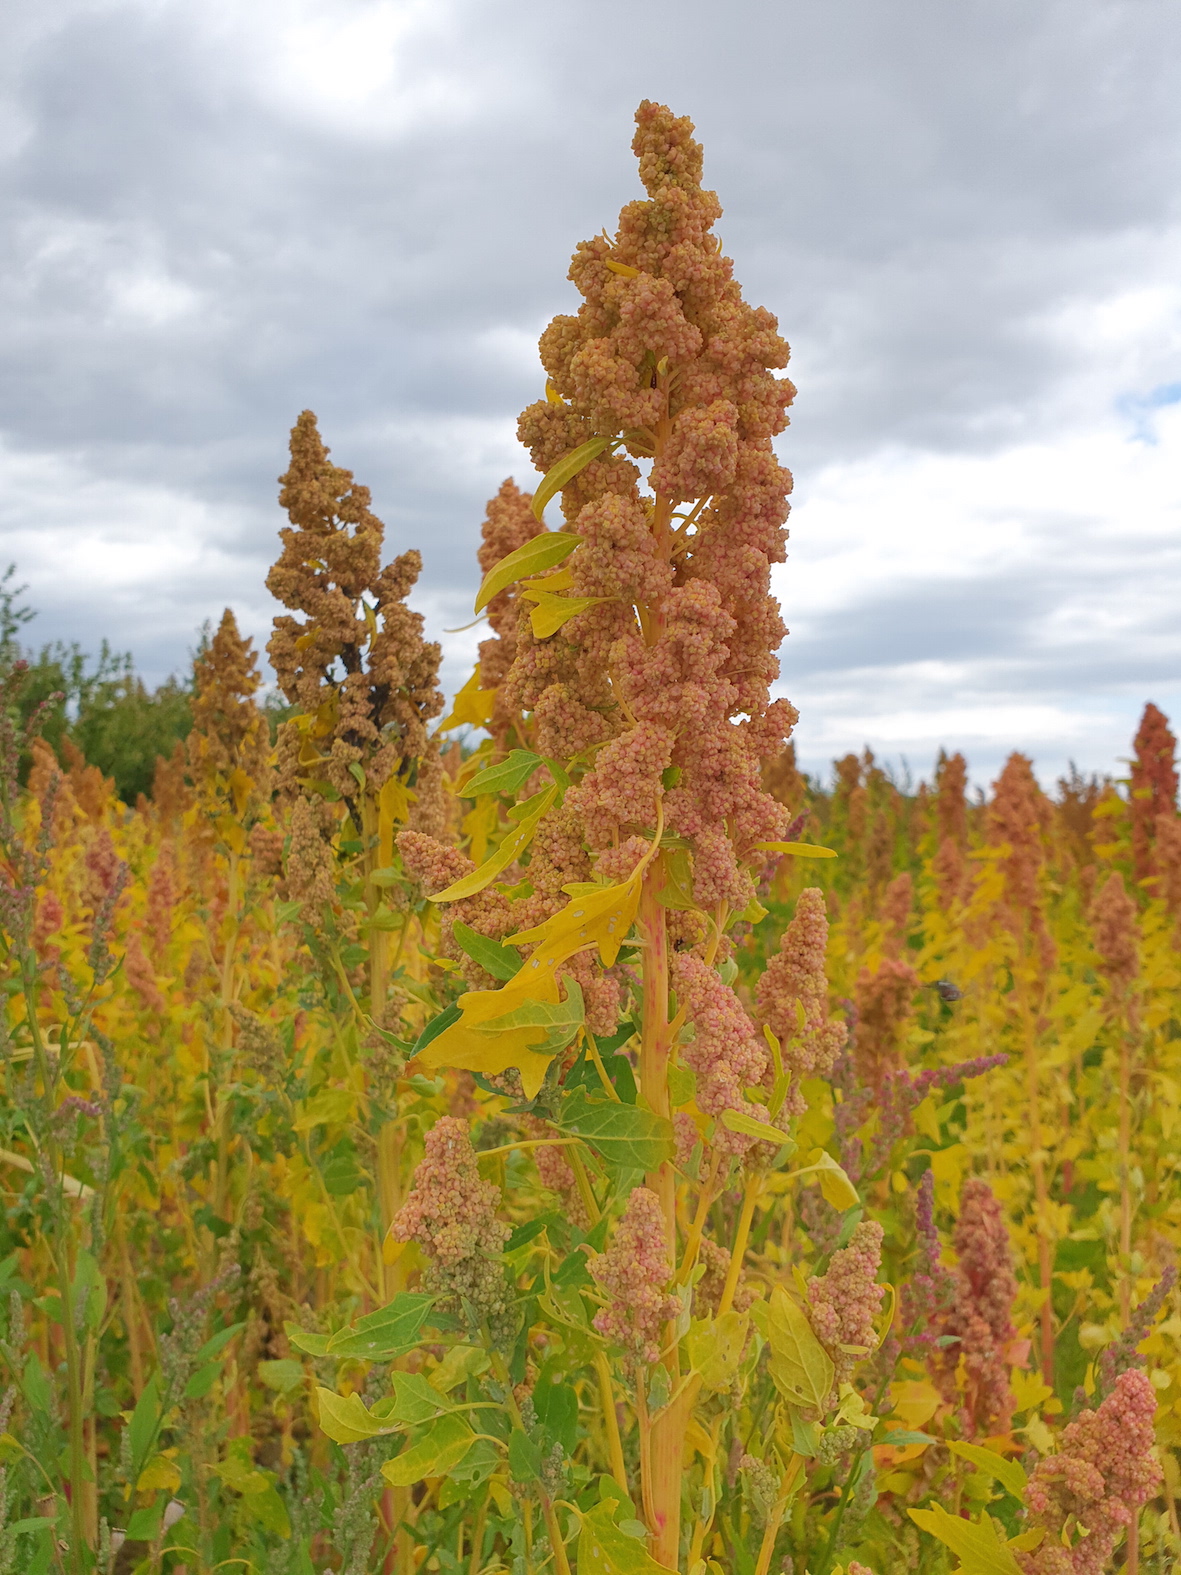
column 1040, row 1191
column 663, row 1457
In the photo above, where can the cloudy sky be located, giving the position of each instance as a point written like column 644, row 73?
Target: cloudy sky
column 966, row 216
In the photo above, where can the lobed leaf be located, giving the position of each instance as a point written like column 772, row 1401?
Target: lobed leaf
column 346, row 1419
column 976, row 1543
column 625, row 1137
column 441, row 1447
column 1009, row 1473
column 382, row 1335
column 605, row 1549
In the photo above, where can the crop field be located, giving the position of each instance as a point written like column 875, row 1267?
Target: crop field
column 540, row 1130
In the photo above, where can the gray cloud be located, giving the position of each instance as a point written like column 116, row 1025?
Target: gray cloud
column 203, row 236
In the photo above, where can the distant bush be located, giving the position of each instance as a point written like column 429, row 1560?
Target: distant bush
column 100, row 704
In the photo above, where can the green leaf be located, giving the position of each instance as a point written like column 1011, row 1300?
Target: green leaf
column 202, row 1381
column 624, row 1136
column 800, row 1366
column 805, row 1436
column 524, row 1457
column 284, row 1376
column 435, row 1027
column 381, row 1336
column 31, row 1523
column 218, row 1342
column 347, row 1420
column 89, row 1290
column 532, row 557
column 502, row 962
column 442, row 1446
column 304, row 1340
column 269, row 1510
column 739, row 1121
column 676, row 887
column 1009, row 1473
column 35, row 1385
column 144, row 1525
column 507, row 776
column 415, row 1401
column 605, row 1549
column 478, row 1463
column 682, row 1085
column 560, row 1019
column 557, row 476
column 144, row 1425
column 905, row 1435
column 976, row 1543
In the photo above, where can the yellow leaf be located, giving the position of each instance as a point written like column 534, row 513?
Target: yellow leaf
column 330, row 1107
column 1029, row 1390
column 715, row 1348
column 394, row 800
column 948, row 1166
column 798, row 850
column 551, row 612
column 603, row 1549
column 835, row 1186
column 465, row 1046
column 472, row 705
column 561, row 580
column 915, row 1400
column 533, row 557
column 552, row 394
column 240, row 786
column 559, row 475
column 231, row 833
column 977, row 1543
column 514, row 844
column 698, row 1439
column 160, row 1472
column 624, row 270
column 601, row 918
column 347, row 1421
column 1010, row 1473
column 442, row 1446
column 800, row 1366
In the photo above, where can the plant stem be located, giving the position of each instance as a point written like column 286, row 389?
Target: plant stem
column 1125, row 1177
column 611, row 1421
column 749, row 1199
column 697, row 1228
column 774, row 1520
column 1041, row 1194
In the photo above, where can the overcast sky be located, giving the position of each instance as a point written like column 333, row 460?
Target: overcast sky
column 965, row 215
